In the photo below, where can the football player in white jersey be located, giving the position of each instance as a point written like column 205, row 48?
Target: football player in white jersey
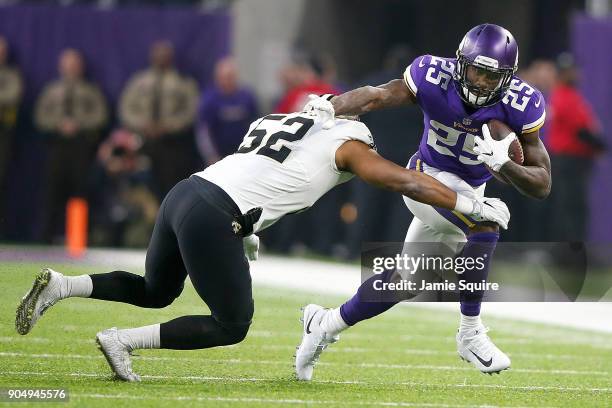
column 206, row 225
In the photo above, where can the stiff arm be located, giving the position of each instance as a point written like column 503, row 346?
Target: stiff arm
column 371, row 98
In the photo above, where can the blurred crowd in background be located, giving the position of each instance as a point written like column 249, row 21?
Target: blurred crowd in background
column 124, row 157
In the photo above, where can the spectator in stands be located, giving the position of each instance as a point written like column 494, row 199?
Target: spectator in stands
column 71, row 111
column 542, row 73
column 225, row 112
column 160, row 104
column 574, row 143
column 123, row 205
column 11, row 89
column 305, row 76
column 329, row 73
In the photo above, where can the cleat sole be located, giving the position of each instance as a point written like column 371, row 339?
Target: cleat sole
column 25, row 310
column 484, row 372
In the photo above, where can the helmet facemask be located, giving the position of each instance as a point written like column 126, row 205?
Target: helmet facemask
column 475, row 95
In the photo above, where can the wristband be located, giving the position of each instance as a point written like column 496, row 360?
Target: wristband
column 464, row 204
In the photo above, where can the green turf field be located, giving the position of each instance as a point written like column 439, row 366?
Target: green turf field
column 405, row 358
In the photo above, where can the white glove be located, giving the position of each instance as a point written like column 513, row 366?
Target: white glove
column 251, row 247
column 322, row 108
column 493, row 153
column 491, row 209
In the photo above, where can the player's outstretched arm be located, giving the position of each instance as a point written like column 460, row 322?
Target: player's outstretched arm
column 363, row 161
column 533, row 178
column 369, row 98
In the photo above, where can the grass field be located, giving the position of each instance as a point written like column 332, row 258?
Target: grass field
column 406, row 357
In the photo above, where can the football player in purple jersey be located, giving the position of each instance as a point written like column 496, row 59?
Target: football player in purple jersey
column 458, row 96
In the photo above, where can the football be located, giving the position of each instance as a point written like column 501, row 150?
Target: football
column 499, row 130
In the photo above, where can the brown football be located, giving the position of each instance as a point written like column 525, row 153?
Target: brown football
column 499, row 130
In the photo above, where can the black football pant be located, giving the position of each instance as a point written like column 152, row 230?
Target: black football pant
column 192, row 236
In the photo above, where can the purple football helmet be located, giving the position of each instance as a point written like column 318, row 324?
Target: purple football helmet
column 493, row 53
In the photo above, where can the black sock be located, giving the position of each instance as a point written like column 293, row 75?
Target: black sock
column 198, row 332
column 121, row 286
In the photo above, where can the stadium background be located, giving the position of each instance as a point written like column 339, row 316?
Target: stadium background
column 561, row 351
column 350, row 44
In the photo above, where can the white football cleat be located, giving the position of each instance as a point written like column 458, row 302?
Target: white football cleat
column 314, row 341
column 45, row 292
column 117, row 354
column 477, row 348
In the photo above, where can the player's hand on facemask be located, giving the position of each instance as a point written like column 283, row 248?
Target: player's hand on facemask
column 251, row 247
column 322, row 108
column 493, row 153
column 491, row 209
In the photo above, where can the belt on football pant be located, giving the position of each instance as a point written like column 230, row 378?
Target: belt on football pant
column 242, row 224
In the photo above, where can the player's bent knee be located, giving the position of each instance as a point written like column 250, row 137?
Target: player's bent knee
column 158, row 299
column 161, row 300
column 235, row 332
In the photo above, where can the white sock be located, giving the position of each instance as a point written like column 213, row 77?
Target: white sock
column 332, row 322
column 469, row 323
column 146, row 337
column 76, row 286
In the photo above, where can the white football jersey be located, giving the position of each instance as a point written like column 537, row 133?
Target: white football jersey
column 284, row 164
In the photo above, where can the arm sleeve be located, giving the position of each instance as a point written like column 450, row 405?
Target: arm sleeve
column 535, row 114
column 131, row 112
column 47, row 112
column 11, row 88
column 414, row 73
column 187, row 91
column 350, row 130
column 95, row 117
column 586, row 116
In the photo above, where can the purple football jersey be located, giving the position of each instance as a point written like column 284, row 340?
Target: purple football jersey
column 449, row 130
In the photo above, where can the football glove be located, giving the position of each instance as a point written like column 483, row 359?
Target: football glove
column 321, row 107
column 251, row 247
column 491, row 209
column 493, row 153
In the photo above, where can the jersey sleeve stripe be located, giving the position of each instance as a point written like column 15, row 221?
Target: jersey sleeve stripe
column 409, row 82
column 535, row 125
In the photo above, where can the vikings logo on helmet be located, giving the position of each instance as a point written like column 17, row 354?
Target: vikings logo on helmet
column 493, row 51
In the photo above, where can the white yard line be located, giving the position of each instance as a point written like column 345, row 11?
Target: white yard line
column 276, row 380
column 341, row 349
column 283, row 363
column 539, row 337
column 284, row 401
